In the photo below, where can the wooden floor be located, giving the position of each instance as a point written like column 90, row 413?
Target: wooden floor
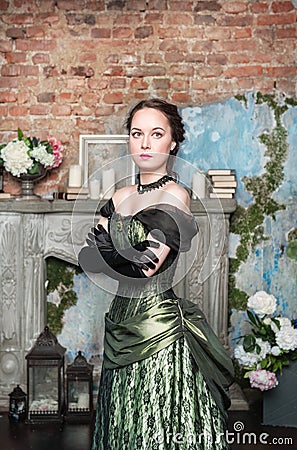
column 245, row 433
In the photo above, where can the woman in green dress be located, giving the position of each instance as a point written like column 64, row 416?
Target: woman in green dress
column 165, row 375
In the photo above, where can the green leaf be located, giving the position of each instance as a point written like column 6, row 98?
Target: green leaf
column 249, row 343
column 20, row 134
column 34, row 169
column 252, row 318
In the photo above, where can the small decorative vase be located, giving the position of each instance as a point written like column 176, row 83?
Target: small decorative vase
column 280, row 403
column 27, row 184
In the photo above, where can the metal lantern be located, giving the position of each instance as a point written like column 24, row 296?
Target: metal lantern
column 79, row 397
column 17, row 405
column 45, row 380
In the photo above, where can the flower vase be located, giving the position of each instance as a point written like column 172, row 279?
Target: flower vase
column 280, row 403
column 27, row 184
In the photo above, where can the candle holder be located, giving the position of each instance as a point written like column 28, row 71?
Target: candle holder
column 79, row 397
column 17, row 405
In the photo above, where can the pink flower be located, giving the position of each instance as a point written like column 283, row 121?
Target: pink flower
column 57, row 151
column 263, row 379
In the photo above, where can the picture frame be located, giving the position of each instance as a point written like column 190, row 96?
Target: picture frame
column 98, row 152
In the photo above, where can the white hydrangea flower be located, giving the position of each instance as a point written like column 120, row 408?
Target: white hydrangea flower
column 267, row 321
column 275, row 350
column 251, row 358
column 16, row 158
column 286, row 338
column 262, row 303
column 41, row 155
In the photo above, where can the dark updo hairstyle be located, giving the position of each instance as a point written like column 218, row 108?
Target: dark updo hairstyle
column 175, row 122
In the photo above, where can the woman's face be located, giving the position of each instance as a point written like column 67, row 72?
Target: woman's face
column 150, row 140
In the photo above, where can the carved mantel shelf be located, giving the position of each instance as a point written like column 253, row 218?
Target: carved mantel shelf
column 31, row 231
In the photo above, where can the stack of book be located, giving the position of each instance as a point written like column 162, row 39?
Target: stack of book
column 71, row 193
column 223, row 183
column 5, row 196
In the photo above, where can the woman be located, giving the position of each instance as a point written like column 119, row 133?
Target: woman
column 165, row 375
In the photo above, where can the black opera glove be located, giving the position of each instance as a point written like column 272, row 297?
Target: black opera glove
column 130, row 262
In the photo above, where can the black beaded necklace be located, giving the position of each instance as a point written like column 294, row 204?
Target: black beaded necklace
column 142, row 188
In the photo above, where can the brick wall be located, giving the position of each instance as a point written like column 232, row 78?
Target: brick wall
column 75, row 67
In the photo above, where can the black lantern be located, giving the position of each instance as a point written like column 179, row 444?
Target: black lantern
column 17, row 405
column 45, row 380
column 79, row 397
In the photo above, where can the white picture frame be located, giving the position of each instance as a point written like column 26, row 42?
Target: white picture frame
column 97, row 151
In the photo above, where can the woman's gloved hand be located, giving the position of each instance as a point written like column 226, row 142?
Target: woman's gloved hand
column 130, row 261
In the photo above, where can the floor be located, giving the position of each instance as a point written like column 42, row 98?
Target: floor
column 245, row 432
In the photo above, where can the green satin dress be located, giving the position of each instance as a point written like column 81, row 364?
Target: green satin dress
column 165, row 375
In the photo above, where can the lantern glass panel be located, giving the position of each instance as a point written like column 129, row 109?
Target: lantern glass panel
column 43, row 389
column 78, row 395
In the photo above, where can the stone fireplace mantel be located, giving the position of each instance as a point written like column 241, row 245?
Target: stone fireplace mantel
column 31, row 231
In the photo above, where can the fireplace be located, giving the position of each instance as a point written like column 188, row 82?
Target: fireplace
column 30, row 231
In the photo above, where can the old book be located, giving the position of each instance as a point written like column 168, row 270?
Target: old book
column 5, row 195
column 224, row 184
column 68, row 196
column 220, row 195
column 221, row 172
column 223, row 178
column 226, row 190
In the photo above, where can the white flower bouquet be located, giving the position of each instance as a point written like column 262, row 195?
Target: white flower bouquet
column 271, row 344
column 24, row 155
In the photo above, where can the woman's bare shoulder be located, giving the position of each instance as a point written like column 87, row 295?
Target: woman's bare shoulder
column 179, row 193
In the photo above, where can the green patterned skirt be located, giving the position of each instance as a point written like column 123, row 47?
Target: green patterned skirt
column 159, row 403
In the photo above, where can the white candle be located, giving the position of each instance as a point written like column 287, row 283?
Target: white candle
column 108, row 183
column 75, row 176
column 94, row 186
column 199, row 185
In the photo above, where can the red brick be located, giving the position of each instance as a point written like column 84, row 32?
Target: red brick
column 5, row 46
column 88, row 57
column 30, row 71
column 18, row 111
column 204, row 85
column 234, row 7
column 70, row 5
column 117, row 83
column 139, row 84
column 161, row 83
column 8, row 82
column 217, row 59
column 276, row 19
column 201, row 20
column 239, row 58
column 35, row 32
column 143, row 32
column 104, row 110
column 101, row 33
column 202, row 46
column 4, row 5
column 207, row 6
column 170, row 45
column 114, row 71
column 11, row 70
column 3, row 113
column 41, row 58
column 181, row 98
column 18, row 19
column 46, row 97
column 173, row 57
column 153, row 58
column 159, row 5
column 61, row 110
column 38, row 110
column 49, row 18
column 283, row 6
column 77, row 110
column 146, row 71
column 259, row 7
column 136, row 5
column 180, row 85
column 195, row 58
column 7, row 97
column 243, row 71
column 16, row 33
column 181, row 6
column 281, row 71
column 286, row 33
column 235, row 20
column 82, row 71
column 36, row 45
column 100, row 84
column 242, row 33
column 92, row 126
column 192, row 32
column 23, row 97
column 88, row 98
column 167, row 32
column 236, row 45
column 179, row 19
column 13, row 58
column 181, row 70
column 113, row 98
column 153, row 17
column 217, row 33
column 122, row 32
